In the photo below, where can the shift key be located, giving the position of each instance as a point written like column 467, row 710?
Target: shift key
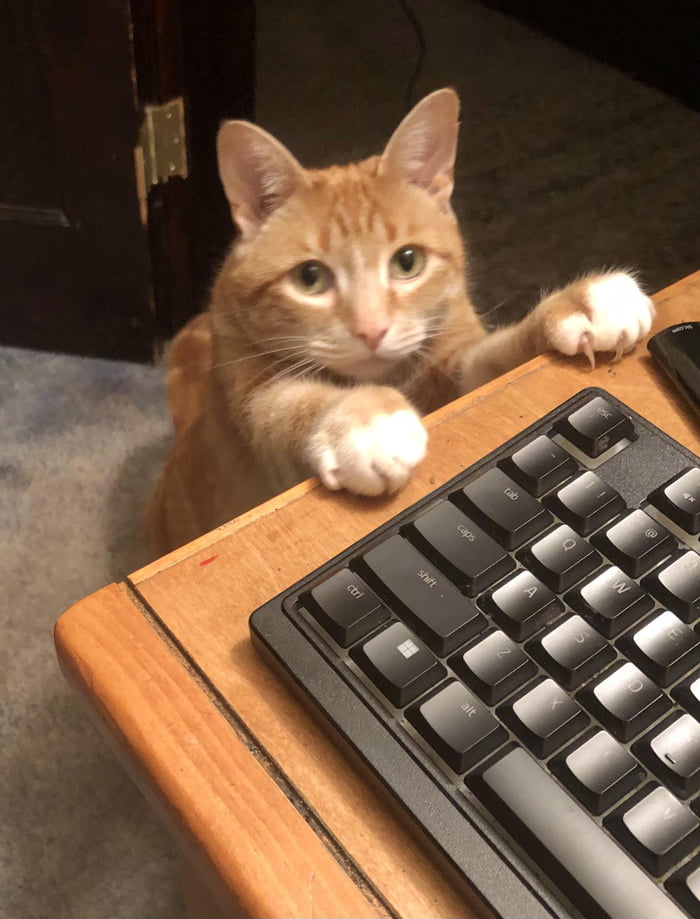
column 428, row 600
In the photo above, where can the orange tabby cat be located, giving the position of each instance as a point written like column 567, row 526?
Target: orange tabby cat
column 338, row 318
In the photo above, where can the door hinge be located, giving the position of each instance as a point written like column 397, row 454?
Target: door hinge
column 162, row 142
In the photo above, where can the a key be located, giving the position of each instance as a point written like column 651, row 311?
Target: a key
column 599, row 771
column 561, row 558
column 673, row 753
column 595, row 427
column 586, row 503
column 345, row 606
column 688, row 694
column 457, row 725
column 635, row 543
column 472, row 558
column 503, row 508
column 539, row 465
column 545, row 717
column 685, row 886
column 665, row 648
column 590, row 868
column 572, row 651
column 494, row 667
column 432, row 605
column 656, row 828
column 611, row 601
column 626, row 701
column 398, row 663
column 522, row 605
column 677, row 585
column 679, row 499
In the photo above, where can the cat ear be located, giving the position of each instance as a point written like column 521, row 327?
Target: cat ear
column 258, row 173
column 422, row 149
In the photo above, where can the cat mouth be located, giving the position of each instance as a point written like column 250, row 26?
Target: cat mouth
column 367, row 368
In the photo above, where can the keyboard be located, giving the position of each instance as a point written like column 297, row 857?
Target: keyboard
column 516, row 658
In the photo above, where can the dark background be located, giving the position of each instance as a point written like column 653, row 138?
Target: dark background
column 578, row 147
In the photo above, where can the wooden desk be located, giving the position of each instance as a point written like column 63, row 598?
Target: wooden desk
column 271, row 817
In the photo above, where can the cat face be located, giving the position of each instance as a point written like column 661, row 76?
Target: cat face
column 348, row 268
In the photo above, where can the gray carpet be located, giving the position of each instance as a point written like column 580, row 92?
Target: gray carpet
column 81, row 440
column 564, row 165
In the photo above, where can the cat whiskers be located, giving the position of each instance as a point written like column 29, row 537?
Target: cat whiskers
column 280, row 349
column 300, row 369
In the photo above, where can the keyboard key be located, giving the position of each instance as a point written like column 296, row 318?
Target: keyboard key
column 494, row 667
column 345, row 607
column 688, row 694
column 685, row 886
column 635, row 543
column 595, row 427
column 539, row 465
column 665, row 648
column 586, row 503
column 673, row 753
column 561, row 558
column 678, row 585
column 457, row 725
column 431, row 604
column 398, row 663
column 599, row 771
column 626, row 701
column 573, row 651
column 503, row 508
column 590, row 868
column 545, row 717
column 523, row 605
column 679, row 499
column 471, row 558
column 611, row 601
column 657, row 829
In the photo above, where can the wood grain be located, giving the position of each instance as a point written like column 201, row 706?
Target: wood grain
column 196, row 771
column 204, row 593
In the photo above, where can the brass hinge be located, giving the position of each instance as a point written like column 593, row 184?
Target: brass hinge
column 162, row 142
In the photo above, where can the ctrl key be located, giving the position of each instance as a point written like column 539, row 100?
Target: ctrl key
column 345, row 606
column 398, row 663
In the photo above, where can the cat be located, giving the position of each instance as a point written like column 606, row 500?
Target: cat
column 338, row 318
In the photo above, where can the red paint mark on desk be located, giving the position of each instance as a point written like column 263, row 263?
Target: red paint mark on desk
column 208, row 561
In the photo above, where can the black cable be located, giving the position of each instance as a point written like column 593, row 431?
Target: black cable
column 420, row 38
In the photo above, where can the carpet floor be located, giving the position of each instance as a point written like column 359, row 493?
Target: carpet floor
column 565, row 165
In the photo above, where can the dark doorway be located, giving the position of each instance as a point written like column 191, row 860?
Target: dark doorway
column 93, row 258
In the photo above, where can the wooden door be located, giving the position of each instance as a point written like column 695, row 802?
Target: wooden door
column 87, row 264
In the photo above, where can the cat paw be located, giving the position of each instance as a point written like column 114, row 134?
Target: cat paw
column 370, row 455
column 607, row 312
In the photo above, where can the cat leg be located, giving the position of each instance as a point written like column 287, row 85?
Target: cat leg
column 366, row 439
column 603, row 312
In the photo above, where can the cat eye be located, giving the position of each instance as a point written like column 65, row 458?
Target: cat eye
column 407, row 262
column 312, row 277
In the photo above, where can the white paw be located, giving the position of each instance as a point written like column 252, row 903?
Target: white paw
column 372, row 458
column 614, row 315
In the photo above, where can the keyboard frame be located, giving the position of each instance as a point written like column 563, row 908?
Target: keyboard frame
column 471, row 841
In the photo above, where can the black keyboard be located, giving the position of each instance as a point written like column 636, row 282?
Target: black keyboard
column 517, row 658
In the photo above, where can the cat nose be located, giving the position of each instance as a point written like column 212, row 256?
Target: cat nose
column 373, row 338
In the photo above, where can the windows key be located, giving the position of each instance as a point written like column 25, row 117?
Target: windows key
column 595, row 427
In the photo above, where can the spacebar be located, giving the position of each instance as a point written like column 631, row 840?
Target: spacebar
column 573, row 850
